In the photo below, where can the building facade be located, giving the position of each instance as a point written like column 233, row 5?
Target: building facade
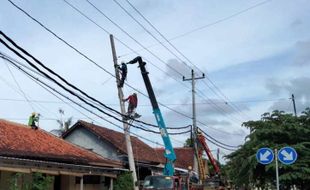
column 28, row 156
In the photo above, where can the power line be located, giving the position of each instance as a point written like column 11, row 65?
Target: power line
column 166, row 40
column 220, row 20
column 42, row 83
column 220, row 109
column 210, row 137
column 62, row 79
column 86, row 57
column 62, row 86
column 19, row 87
column 72, row 93
column 130, row 36
column 183, row 127
column 88, row 18
column 219, row 93
column 151, row 33
column 106, row 31
column 221, row 146
column 233, row 106
column 153, row 36
column 181, row 104
column 131, row 49
column 22, row 93
column 75, row 49
column 206, row 25
column 38, row 82
column 79, row 52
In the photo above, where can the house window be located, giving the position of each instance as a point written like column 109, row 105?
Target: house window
column 88, row 179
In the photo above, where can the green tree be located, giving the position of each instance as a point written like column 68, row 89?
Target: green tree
column 124, row 182
column 63, row 124
column 275, row 130
column 188, row 143
column 39, row 181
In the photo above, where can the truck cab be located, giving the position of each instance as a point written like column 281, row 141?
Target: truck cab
column 162, row 182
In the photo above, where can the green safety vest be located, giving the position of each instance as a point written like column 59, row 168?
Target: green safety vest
column 32, row 119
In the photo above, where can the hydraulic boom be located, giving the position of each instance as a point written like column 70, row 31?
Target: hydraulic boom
column 202, row 141
column 169, row 152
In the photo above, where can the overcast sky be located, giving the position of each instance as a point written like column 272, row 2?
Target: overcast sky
column 255, row 52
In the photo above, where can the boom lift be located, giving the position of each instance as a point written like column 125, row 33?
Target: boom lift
column 202, row 167
column 169, row 152
column 213, row 181
column 167, row 181
column 201, row 139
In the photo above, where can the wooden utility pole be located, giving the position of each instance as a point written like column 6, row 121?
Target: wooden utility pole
column 194, row 113
column 125, row 124
column 218, row 155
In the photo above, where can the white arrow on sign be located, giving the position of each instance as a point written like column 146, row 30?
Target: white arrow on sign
column 263, row 157
column 287, row 156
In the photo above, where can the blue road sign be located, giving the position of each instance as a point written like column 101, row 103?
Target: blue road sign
column 287, row 155
column 264, row 155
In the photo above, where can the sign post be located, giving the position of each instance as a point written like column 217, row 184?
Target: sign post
column 286, row 155
column 277, row 169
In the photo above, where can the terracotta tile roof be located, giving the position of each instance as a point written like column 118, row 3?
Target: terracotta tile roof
column 185, row 156
column 142, row 151
column 20, row 141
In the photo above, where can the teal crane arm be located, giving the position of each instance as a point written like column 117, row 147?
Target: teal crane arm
column 169, row 152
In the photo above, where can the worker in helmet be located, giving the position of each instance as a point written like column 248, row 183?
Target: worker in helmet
column 33, row 119
column 123, row 69
column 132, row 104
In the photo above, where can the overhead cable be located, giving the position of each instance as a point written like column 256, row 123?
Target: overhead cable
column 174, row 47
column 45, row 86
column 220, row 20
column 130, row 36
column 150, row 33
column 79, row 52
column 89, row 59
column 61, row 78
column 62, row 86
column 66, row 89
column 217, row 141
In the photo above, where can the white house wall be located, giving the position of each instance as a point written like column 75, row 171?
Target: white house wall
column 84, row 138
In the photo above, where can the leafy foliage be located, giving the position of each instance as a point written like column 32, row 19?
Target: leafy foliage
column 124, row 182
column 189, row 143
column 64, row 125
column 38, row 182
column 275, row 130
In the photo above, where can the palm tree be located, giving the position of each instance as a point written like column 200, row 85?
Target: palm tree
column 63, row 125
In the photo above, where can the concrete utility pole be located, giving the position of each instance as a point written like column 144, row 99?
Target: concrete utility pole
column 294, row 105
column 194, row 113
column 125, row 125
